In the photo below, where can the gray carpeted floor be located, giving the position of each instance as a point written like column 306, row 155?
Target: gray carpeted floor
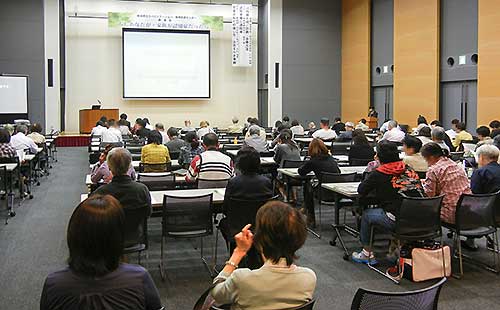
column 34, row 244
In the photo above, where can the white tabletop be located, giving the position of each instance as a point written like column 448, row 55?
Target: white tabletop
column 29, row 157
column 308, row 140
column 179, row 177
column 10, row 167
column 293, row 172
column 343, row 158
column 95, row 143
column 349, row 189
column 157, row 196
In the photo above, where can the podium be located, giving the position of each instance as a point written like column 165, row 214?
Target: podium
column 89, row 117
column 372, row 122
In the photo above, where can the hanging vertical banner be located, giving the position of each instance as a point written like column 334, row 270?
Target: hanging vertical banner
column 242, row 35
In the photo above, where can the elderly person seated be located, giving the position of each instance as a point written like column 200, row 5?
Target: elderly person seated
column 393, row 133
column 486, row 179
column 255, row 140
column 235, row 127
column 362, row 125
column 439, row 136
column 425, row 135
column 346, row 135
column 95, row 277
column 132, row 195
column 101, row 172
column 297, row 128
column 6, row 149
column 112, row 134
column 164, row 136
column 204, row 129
column 279, row 233
column 21, row 142
column 413, row 158
column 155, row 155
column 382, row 186
column 36, row 134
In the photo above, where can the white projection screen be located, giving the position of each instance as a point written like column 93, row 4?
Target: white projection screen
column 13, row 94
column 165, row 64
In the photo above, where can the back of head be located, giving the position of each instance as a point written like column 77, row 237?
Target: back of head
column 22, row 129
column 461, row 126
column 123, row 116
column 438, row 133
column 36, row 127
column 192, row 138
column 122, row 122
column 317, row 148
column 254, row 130
column 455, row 121
column 255, row 121
column 248, row 161
column 392, row 124
column 495, row 124
column 432, row 150
column 111, row 123
column 210, row 140
column 489, row 152
column 387, row 152
column 95, row 236
column 286, row 118
column 235, row 120
column 280, row 231
column 359, row 137
column 146, row 120
column 425, row 131
column 421, row 120
column 363, row 121
column 436, row 123
column 483, row 131
column 337, row 119
column 4, row 135
column 103, row 119
column 286, row 136
column 203, row 124
column 159, row 126
column 172, row 132
column 155, row 137
column 325, row 122
column 278, row 124
column 140, row 122
column 412, row 142
column 295, row 122
column 119, row 160
column 349, row 125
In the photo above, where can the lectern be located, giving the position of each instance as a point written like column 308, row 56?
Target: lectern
column 372, row 122
column 89, row 117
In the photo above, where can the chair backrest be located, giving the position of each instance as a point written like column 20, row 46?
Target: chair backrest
column 203, row 183
column 340, row 148
column 308, row 306
column 359, row 161
column 241, row 212
column 135, row 229
column 228, row 147
column 474, row 211
column 424, row 299
column 422, row 174
column 174, row 155
column 187, row 216
column 267, row 154
column 419, row 217
column 292, row 163
column 157, row 181
column 457, row 156
column 143, row 167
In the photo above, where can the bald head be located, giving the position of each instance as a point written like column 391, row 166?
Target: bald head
column 119, row 160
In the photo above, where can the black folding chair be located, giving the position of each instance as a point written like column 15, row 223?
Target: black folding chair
column 475, row 217
column 340, row 148
column 359, row 161
column 174, row 155
column 155, row 168
column 136, row 231
column 290, row 182
column 186, row 218
column 157, row 181
column 205, row 183
column 424, row 299
column 419, row 219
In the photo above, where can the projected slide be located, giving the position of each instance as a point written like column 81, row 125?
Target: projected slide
column 166, row 64
column 13, row 94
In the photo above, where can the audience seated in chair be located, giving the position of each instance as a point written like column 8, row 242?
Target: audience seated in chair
column 164, row 136
column 360, row 148
column 439, row 136
column 320, row 161
column 235, row 127
column 279, row 233
column 325, row 133
column 346, row 136
column 461, row 135
column 311, row 127
column 124, row 127
column 36, row 134
column 192, row 147
column 155, row 155
column 101, row 173
column 286, row 149
column 486, row 179
column 6, row 149
column 112, row 134
column 131, row 194
column 21, row 142
column 95, row 277
column 98, row 129
column 204, row 129
column 413, row 158
column 255, row 140
column 175, row 143
column 393, row 133
column 362, row 125
column 384, row 185
column 210, row 165
column 123, row 120
column 338, row 126
column 297, row 128
column 483, row 135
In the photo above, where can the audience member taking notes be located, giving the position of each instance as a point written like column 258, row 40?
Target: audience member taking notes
column 155, row 155
column 325, row 133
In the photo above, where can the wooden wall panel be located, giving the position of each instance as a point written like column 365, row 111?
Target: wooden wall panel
column 355, row 59
column 488, row 71
column 416, row 60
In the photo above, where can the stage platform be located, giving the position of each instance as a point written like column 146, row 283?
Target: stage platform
column 67, row 139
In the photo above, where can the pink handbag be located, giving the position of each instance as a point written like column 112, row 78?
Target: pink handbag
column 427, row 264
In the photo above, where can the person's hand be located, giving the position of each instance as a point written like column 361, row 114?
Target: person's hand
column 244, row 239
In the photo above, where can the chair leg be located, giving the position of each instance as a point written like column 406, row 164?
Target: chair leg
column 496, row 252
column 162, row 263
column 216, row 248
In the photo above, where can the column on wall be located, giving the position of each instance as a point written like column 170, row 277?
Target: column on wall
column 416, row 60
column 488, row 101
column 275, row 63
column 355, row 59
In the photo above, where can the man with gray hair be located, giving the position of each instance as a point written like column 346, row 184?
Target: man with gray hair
column 438, row 135
column 255, row 140
column 164, row 136
column 20, row 141
column 486, row 179
column 235, row 127
column 133, row 196
column 393, row 133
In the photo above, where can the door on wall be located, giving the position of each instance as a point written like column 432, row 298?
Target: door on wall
column 459, row 100
column 382, row 100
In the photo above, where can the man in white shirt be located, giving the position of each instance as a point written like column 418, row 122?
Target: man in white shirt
column 112, row 134
column 161, row 129
column 98, row 129
column 393, row 134
column 20, row 141
column 325, row 133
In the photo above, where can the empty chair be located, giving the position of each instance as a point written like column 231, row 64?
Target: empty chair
column 424, row 299
column 157, row 181
column 340, row 148
column 186, row 218
column 136, row 231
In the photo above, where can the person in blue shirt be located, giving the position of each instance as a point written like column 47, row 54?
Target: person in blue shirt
column 486, row 179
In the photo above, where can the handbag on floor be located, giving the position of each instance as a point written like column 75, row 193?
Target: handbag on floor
column 426, row 264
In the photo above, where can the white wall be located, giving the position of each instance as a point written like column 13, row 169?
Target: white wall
column 275, row 40
column 94, row 66
column 52, row 94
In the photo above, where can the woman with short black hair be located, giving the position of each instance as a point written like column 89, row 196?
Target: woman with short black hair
column 279, row 284
column 192, row 148
column 95, row 278
column 6, row 149
column 155, row 155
